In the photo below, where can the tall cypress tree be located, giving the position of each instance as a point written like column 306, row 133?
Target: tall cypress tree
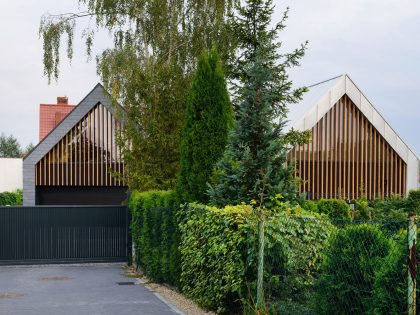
column 208, row 118
column 254, row 164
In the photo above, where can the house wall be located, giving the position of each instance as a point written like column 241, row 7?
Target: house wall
column 53, row 150
column 348, row 157
column 344, row 86
column 10, row 174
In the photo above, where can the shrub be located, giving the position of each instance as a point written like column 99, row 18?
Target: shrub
column 154, row 231
column 310, row 206
column 11, row 198
column 294, row 246
column 362, row 210
column 414, row 200
column 334, row 208
column 347, row 272
column 213, row 243
column 390, row 289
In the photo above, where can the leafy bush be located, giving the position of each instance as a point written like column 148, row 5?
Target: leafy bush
column 347, row 273
column 334, row 208
column 390, row 289
column 310, row 206
column 391, row 205
column 11, row 198
column 212, row 262
column 299, row 243
column 155, row 233
column 362, row 210
column 414, row 200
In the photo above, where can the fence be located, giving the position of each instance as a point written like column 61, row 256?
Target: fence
column 51, row 234
column 323, row 266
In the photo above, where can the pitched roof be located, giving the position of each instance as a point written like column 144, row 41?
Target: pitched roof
column 324, row 95
column 97, row 96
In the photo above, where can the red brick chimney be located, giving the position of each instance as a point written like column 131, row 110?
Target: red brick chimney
column 50, row 115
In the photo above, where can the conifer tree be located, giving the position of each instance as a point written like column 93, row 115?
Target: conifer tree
column 254, row 164
column 208, row 118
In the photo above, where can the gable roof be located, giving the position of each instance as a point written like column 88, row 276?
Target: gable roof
column 96, row 96
column 323, row 96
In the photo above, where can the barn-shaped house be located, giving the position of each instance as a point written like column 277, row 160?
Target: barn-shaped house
column 354, row 150
column 78, row 162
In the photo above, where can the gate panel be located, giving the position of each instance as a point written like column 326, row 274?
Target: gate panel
column 63, row 234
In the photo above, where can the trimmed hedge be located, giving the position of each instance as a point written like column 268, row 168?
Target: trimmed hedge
column 347, row 273
column 219, row 256
column 390, row 289
column 334, row 208
column 293, row 250
column 213, row 242
column 155, row 234
column 11, row 198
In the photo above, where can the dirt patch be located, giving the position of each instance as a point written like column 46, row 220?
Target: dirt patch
column 10, row 295
column 170, row 294
column 55, row 278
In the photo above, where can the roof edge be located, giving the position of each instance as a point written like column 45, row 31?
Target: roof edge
column 97, row 87
column 346, row 86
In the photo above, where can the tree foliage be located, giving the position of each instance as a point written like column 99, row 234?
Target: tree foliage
column 148, row 70
column 254, row 164
column 9, row 147
column 208, row 118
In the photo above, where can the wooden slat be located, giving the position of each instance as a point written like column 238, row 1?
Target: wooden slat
column 340, row 143
column 313, row 162
column 357, row 163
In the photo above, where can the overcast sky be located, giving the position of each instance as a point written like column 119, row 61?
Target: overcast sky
column 377, row 42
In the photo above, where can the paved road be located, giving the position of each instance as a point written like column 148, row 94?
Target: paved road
column 75, row 289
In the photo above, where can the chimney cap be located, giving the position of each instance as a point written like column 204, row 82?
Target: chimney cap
column 62, row 100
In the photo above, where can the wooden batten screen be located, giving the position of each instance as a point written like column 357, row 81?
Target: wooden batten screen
column 88, row 155
column 347, row 157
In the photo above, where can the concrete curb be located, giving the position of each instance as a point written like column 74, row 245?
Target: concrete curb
column 160, row 297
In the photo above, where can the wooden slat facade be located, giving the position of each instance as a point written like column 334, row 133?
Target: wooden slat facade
column 347, row 157
column 88, row 155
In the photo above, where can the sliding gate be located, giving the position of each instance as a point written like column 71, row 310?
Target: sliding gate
column 62, row 234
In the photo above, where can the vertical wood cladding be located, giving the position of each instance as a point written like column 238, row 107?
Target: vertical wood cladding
column 347, row 157
column 88, row 155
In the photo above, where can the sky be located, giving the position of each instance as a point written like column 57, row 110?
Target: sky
column 376, row 42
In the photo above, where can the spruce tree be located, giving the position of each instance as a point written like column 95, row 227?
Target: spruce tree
column 254, row 164
column 208, row 118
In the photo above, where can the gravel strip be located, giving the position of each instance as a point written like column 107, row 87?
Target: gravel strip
column 181, row 302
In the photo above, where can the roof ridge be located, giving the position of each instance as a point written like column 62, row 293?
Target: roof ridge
column 336, row 77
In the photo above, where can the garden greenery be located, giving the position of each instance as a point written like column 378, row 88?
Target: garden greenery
column 334, row 208
column 390, row 288
column 208, row 119
column 219, row 254
column 310, row 262
column 347, row 273
column 213, row 245
column 154, row 232
column 11, row 198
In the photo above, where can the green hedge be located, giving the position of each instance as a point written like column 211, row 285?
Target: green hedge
column 219, row 257
column 390, row 289
column 213, row 242
column 155, row 234
column 347, row 273
column 11, row 198
column 334, row 208
column 293, row 251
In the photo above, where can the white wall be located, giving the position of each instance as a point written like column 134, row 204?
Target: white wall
column 10, row 174
column 413, row 171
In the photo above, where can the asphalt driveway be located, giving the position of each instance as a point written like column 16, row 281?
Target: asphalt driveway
column 75, row 289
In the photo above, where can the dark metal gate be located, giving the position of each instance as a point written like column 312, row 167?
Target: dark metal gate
column 63, row 234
